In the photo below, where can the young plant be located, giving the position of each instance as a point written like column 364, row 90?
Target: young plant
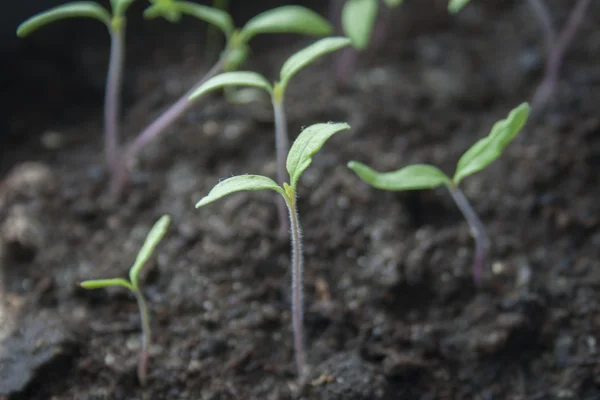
column 286, row 19
column 478, row 157
column 154, row 237
column 555, row 48
column 276, row 90
column 115, row 22
column 308, row 143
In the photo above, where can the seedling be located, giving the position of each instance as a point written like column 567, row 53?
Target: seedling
column 555, row 48
column 478, row 157
column 276, row 90
column 154, row 237
column 308, row 143
column 115, row 23
column 286, row 19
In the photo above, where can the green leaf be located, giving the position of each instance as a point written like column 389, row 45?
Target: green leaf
column 393, row 3
column 308, row 55
column 238, row 184
column 358, row 19
column 168, row 9
column 152, row 240
column 86, row 9
column 412, row 177
column 120, row 7
column 307, row 144
column 455, row 6
column 236, row 78
column 171, row 10
column 487, row 150
column 104, row 283
column 287, row 19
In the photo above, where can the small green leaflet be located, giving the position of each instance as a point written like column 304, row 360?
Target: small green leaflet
column 104, row 283
column 168, row 9
column 308, row 142
column 487, row 150
column 238, row 184
column 412, row 177
column 236, row 78
column 455, row 6
column 308, row 55
column 358, row 19
column 287, row 19
column 86, row 9
column 152, row 240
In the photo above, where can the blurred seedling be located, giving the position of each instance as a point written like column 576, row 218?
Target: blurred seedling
column 276, row 90
column 152, row 240
column 307, row 144
column 555, row 45
column 478, row 157
column 358, row 22
column 115, row 22
column 286, row 19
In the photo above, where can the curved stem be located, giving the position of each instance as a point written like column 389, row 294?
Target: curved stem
column 297, row 300
column 282, row 146
column 482, row 242
column 142, row 370
column 112, row 99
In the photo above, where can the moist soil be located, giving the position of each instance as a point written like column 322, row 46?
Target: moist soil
column 391, row 308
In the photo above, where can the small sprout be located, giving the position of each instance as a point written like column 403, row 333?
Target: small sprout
column 479, row 156
column 152, row 240
column 116, row 27
column 307, row 144
column 290, row 68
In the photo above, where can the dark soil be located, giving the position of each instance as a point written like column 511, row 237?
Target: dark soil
column 392, row 312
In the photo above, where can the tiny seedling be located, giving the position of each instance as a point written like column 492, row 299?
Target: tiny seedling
column 556, row 46
column 478, row 157
column 115, row 23
column 286, row 19
column 154, row 237
column 307, row 144
column 276, row 90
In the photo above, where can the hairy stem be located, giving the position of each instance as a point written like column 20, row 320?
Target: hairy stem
column 282, row 146
column 112, row 99
column 142, row 371
column 482, row 242
column 556, row 56
column 297, row 267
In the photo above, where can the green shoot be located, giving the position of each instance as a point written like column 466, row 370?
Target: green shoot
column 307, row 144
column 277, row 90
column 478, row 157
column 115, row 23
column 152, row 240
column 287, row 19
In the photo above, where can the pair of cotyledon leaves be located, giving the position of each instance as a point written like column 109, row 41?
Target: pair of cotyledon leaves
column 286, row 19
column 358, row 18
column 479, row 156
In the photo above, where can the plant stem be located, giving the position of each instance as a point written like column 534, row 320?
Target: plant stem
column 482, row 242
column 213, row 36
column 282, row 146
column 556, row 56
column 142, row 371
column 540, row 11
column 112, row 99
column 297, row 267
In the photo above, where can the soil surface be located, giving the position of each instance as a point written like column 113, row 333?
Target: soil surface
column 391, row 308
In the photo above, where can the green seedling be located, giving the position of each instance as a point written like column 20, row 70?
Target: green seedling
column 154, row 237
column 286, row 19
column 478, row 157
column 115, row 22
column 276, row 90
column 307, row 144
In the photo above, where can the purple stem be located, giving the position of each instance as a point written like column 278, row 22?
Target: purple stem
column 297, row 298
column 112, row 99
column 482, row 242
column 545, row 19
column 282, row 146
column 556, row 56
